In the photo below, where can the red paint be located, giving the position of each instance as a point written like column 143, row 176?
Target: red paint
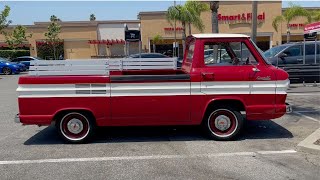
column 42, row 110
column 63, row 79
column 165, row 109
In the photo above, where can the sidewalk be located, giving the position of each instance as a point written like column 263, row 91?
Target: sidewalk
column 311, row 144
column 307, row 88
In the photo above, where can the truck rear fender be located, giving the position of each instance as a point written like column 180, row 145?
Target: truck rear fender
column 233, row 102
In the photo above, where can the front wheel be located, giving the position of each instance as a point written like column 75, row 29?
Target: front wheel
column 75, row 127
column 6, row 71
column 223, row 123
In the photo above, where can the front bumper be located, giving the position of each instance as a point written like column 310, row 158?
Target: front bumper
column 17, row 119
column 288, row 108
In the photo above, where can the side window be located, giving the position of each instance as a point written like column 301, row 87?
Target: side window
column 293, row 51
column 227, row 54
column 190, row 52
column 309, row 49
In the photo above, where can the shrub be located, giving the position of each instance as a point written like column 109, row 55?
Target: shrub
column 14, row 53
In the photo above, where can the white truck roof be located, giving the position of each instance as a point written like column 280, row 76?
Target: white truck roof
column 220, row 35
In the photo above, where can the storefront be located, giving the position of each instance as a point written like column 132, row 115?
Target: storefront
column 233, row 17
column 105, row 39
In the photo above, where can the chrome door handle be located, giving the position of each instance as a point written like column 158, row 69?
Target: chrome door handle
column 255, row 69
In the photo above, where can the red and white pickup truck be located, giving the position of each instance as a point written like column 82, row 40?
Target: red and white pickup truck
column 224, row 80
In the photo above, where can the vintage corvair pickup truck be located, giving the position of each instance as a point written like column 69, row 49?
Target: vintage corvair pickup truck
column 218, row 90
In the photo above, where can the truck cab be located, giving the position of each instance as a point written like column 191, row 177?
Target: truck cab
column 218, row 90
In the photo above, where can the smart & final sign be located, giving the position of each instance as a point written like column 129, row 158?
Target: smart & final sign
column 244, row 17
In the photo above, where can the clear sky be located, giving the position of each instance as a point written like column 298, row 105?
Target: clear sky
column 24, row 12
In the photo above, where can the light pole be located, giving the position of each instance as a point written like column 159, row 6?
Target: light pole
column 175, row 33
column 254, row 21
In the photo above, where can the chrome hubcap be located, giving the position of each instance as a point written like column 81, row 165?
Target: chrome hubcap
column 222, row 122
column 6, row 71
column 75, row 126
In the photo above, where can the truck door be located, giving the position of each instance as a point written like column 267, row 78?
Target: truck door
column 234, row 71
column 150, row 99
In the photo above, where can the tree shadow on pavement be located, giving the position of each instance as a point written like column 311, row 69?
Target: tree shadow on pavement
column 252, row 130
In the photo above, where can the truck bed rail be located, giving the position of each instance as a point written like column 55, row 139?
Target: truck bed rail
column 98, row 66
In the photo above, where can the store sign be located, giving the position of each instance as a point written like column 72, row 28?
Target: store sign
column 172, row 29
column 296, row 25
column 132, row 35
column 240, row 18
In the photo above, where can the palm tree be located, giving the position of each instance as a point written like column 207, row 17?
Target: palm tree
column 290, row 14
column 315, row 15
column 54, row 18
column 185, row 16
column 156, row 39
column 92, row 17
column 196, row 8
column 214, row 6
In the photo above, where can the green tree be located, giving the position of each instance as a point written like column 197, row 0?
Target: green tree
column 54, row 18
column 290, row 14
column 17, row 37
column 315, row 15
column 184, row 15
column 156, row 39
column 3, row 18
column 52, row 35
column 196, row 8
column 92, row 17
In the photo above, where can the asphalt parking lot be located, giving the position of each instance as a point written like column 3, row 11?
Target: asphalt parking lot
column 265, row 150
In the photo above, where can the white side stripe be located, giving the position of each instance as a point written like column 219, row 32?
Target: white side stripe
column 153, row 89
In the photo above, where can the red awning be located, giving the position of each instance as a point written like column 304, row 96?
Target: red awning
column 313, row 27
column 107, row 41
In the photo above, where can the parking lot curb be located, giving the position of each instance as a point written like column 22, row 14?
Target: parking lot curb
column 308, row 146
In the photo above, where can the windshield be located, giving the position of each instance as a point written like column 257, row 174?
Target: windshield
column 273, row 51
column 261, row 53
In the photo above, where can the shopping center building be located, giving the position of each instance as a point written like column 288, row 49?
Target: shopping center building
column 94, row 39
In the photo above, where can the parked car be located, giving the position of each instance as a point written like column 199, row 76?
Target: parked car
column 25, row 60
column 292, row 53
column 22, row 67
column 220, row 98
column 149, row 55
column 155, row 55
column 6, row 67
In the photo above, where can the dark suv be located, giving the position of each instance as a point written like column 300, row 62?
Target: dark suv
column 292, row 53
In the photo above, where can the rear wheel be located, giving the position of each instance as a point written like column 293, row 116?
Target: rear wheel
column 223, row 123
column 6, row 71
column 75, row 127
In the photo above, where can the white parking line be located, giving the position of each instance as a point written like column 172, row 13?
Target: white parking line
column 153, row 157
column 308, row 117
